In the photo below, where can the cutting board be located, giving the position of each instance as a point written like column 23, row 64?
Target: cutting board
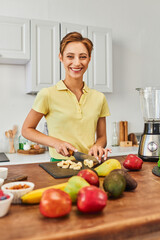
column 31, row 151
column 58, row 172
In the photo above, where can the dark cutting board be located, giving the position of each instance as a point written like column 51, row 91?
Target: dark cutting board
column 3, row 157
column 58, row 172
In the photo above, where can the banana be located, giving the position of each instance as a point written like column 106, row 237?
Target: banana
column 34, row 196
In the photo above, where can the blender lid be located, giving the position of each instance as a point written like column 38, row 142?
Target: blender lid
column 148, row 89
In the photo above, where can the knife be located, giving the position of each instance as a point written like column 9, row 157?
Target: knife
column 79, row 156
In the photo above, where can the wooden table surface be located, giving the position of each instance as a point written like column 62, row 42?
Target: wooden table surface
column 135, row 214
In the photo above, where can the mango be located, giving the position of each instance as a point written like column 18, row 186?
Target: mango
column 105, row 168
column 73, row 186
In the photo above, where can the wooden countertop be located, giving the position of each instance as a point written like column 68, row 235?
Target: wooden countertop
column 136, row 213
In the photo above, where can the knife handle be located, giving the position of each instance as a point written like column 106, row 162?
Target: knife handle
column 70, row 152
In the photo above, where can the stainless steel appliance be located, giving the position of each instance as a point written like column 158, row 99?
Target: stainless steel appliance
column 149, row 147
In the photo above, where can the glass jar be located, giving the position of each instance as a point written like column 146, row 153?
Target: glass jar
column 115, row 140
column 22, row 141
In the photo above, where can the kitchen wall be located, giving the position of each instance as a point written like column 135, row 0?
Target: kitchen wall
column 136, row 55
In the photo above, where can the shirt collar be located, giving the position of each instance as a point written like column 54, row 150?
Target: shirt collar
column 85, row 88
column 61, row 86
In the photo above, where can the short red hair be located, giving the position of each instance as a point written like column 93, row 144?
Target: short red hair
column 76, row 37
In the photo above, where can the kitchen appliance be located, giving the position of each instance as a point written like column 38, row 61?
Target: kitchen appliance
column 3, row 157
column 149, row 147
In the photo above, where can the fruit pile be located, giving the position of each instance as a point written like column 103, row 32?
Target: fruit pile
column 3, row 196
column 86, row 194
column 83, row 190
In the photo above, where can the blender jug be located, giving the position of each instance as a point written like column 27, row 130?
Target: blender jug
column 150, row 103
column 149, row 147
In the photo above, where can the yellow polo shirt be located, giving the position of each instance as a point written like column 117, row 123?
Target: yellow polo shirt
column 69, row 120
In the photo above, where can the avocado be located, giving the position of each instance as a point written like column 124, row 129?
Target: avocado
column 156, row 171
column 131, row 183
column 114, row 184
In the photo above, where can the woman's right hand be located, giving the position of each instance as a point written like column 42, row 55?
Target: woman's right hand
column 63, row 147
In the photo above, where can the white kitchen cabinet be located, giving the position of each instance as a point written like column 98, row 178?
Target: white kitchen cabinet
column 100, row 67
column 69, row 27
column 44, row 68
column 14, row 40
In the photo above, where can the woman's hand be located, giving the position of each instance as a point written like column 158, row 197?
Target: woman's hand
column 63, row 147
column 98, row 152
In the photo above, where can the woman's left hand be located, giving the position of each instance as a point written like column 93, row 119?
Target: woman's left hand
column 98, row 152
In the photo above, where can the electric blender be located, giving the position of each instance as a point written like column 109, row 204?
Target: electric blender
column 149, row 147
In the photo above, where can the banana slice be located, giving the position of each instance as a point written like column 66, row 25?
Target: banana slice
column 77, row 167
column 65, row 166
column 88, row 163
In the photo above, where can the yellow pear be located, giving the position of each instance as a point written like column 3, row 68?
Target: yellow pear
column 105, row 168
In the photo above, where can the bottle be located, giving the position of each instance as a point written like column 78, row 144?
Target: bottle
column 115, row 135
column 45, row 131
column 22, row 141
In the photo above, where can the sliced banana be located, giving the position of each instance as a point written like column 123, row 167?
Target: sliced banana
column 77, row 167
column 60, row 164
column 88, row 163
column 79, row 164
column 65, row 166
column 70, row 164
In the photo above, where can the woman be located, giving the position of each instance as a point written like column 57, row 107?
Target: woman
column 74, row 113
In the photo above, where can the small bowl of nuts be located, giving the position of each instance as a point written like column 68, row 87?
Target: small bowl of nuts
column 5, row 202
column 18, row 189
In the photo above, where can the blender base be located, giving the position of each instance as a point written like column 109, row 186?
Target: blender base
column 148, row 159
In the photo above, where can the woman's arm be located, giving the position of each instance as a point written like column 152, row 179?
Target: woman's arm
column 29, row 131
column 98, row 149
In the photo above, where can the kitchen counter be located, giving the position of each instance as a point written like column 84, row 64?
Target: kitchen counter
column 136, row 215
column 17, row 158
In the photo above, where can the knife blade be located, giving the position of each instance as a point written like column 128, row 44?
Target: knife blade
column 79, row 156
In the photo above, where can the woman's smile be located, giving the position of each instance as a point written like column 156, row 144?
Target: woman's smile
column 76, row 70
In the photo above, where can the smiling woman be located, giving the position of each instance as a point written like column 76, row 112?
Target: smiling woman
column 74, row 112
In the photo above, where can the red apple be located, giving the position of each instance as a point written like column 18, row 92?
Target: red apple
column 90, row 176
column 91, row 199
column 55, row 203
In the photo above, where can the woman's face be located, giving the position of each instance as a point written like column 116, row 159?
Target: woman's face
column 75, row 59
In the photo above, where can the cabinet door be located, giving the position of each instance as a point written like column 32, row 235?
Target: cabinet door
column 66, row 28
column 43, row 70
column 100, row 68
column 14, row 40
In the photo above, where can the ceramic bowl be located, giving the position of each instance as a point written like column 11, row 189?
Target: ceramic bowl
column 17, row 193
column 3, row 172
column 5, row 205
column 1, row 181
